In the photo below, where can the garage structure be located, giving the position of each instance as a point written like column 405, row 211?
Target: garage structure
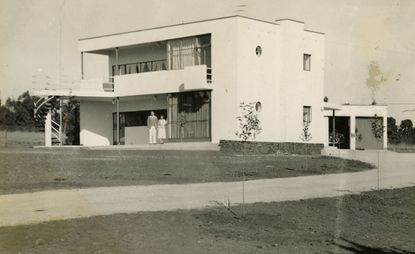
column 352, row 125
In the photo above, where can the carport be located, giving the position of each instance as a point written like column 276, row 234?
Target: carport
column 352, row 124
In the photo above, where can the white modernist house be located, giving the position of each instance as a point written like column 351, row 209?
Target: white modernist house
column 196, row 75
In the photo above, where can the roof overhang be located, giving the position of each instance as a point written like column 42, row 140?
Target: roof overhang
column 331, row 106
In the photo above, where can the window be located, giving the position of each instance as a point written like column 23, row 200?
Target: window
column 258, row 51
column 307, row 62
column 306, row 114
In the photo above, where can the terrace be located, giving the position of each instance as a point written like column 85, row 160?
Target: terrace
column 169, row 66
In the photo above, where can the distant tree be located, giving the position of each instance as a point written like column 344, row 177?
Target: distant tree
column 393, row 133
column 71, row 121
column 406, row 131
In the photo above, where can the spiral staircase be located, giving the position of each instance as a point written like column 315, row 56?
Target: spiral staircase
column 46, row 115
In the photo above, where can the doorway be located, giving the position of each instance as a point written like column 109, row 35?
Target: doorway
column 189, row 115
column 342, row 133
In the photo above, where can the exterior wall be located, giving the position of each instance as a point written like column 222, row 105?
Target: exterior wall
column 258, row 75
column 300, row 88
column 355, row 111
column 96, row 123
column 276, row 78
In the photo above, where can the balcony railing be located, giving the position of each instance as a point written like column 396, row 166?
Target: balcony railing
column 139, row 67
column 209, row 75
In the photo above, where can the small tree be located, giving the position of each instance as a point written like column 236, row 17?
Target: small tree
column 377, row 129
column 249, row 128
column 306, row 137
column 249, row 124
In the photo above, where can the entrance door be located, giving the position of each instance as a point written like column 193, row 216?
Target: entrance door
column 365, row 138
column 189, row 116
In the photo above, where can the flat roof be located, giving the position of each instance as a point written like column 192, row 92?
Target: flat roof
column 198, row 21
column 180, row 24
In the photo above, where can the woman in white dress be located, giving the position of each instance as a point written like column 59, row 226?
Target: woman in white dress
column 161, row 129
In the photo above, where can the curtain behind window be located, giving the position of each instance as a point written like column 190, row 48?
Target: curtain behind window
column 183, row 52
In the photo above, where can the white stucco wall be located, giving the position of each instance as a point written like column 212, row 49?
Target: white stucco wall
column 277, row 79
column 300, row 88
column 257, row 76
column 96, row 123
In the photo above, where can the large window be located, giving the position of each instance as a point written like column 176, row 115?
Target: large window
column 307, row 62
column 306, row 114
column 189, row 51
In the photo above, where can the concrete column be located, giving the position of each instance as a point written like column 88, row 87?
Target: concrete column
column 353, row 132
column 385, row 133
column 82, row 65
column 334, row 128
column 118, row 120
column 60, row 120
column 117, row 71
column 48, row 129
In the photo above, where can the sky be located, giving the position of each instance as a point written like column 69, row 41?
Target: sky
column 39, row 37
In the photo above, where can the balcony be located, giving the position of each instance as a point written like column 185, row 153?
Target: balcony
column 172, row 81
column 139, row 67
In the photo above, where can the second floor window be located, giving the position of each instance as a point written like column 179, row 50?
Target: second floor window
column 307, row 62
column 188, row 52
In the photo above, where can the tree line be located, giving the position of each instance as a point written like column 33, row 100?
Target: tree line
column 18, row 115
column 404, row 133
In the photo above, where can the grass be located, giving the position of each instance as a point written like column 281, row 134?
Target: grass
column 21, row 139
column 402, row 148
column 374, row 222
column 25, row 170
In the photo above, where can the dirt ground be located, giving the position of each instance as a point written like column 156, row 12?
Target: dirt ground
column 26, row 169
column 373, row 222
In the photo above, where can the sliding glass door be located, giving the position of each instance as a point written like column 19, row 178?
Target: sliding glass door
column 189, row 116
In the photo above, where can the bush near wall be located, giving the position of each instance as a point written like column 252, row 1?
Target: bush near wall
column 248, row 147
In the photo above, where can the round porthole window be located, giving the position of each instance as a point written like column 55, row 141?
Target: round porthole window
column 258, row 50
column 258, row 107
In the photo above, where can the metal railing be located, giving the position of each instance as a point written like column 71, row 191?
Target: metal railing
column 209, row 75
column 140, row 67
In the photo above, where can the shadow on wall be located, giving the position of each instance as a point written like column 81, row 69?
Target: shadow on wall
column 357, row 248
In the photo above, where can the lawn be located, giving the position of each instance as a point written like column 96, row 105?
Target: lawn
column 26, row 169
column 374, row 222
column 21, row 138
column 402, row 148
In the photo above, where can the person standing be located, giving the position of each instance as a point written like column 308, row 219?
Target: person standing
column 152, row 125
column 161, row 130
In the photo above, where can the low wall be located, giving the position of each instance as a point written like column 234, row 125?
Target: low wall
column 230, row 146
